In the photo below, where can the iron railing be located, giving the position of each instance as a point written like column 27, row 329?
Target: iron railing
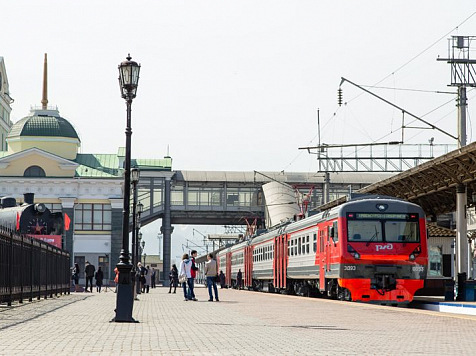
column 30, row 268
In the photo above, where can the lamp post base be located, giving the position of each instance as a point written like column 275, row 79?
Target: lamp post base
column 125, row 296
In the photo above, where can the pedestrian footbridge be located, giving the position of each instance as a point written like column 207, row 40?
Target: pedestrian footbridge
column 226, row 198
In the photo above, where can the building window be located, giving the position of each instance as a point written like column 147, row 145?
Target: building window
column 54, row 207
column 92, row 217
column 435, row 259
column 34, row 171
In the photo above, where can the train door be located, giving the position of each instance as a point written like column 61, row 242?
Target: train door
column 327, row 248
column 228, row 269
column 322, row 260
column 280, row 261
column 248, row 260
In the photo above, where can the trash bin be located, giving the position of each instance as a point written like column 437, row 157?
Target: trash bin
column 449, row 289
column 470, row 293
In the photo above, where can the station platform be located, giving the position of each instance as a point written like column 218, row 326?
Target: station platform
column 242, row 323
column 439, row 304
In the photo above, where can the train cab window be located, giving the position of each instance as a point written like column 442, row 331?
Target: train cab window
column 307, row 244
column 292, row 247
column 321, row 241
column 288, row 249
column 314, row 246
column 299, row 246
column 335, row 235
column 402, row 231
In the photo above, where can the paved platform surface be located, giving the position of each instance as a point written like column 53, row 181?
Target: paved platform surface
column 242, row 323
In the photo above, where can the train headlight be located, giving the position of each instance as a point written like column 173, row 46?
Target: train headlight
column 412, row 257
column 40, row 207
column 352, row 251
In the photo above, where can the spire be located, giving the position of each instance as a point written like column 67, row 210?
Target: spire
column 44, row 101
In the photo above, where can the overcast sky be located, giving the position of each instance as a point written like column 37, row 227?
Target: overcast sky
column 235, row 85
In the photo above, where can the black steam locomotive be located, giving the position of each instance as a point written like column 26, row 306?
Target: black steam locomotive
column 29, row 218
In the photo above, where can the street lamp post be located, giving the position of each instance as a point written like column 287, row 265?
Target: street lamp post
column 135, row 175
column 139, row 238
column 128, row 80
column 143, row 246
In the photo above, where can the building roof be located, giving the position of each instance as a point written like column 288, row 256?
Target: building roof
column 163, row 164
column 97, row 165
column 432, row 185
column 286, row 177
column 43, row 125
column 438, row 231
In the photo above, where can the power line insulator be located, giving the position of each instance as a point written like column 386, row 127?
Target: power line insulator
column 339, row 96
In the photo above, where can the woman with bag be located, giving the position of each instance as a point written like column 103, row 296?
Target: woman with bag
column 185, row 276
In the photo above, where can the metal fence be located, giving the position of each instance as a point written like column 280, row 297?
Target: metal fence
column 30, row 268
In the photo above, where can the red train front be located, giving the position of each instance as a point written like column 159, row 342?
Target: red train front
column 369, row 249
column 383, row 254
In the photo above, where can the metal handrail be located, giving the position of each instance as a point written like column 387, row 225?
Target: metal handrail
column 30, row 268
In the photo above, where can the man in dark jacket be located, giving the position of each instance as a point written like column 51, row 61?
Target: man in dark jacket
column 193, row 271
column 99, row 276
column 89, row 272
column 222, row 279
column 239, row 279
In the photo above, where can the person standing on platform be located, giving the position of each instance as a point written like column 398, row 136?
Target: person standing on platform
column 211, row 272
column 222, row 280
column 194, row 274
column 239, row 279
column 186, row 272
column 116, row 278
column 153, row 276
column 173, row 277
column 143, row 272
column 89, row 272
column 99, row 276
column 76, row 277
column 148, row 279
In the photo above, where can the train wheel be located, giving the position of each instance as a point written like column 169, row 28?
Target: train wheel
column 343, row 294
column 271, row 288
column 332, row 289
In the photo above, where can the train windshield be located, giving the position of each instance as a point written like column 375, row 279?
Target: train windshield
column 370, row 227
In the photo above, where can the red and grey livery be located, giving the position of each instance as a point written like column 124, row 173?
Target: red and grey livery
column 369, row 249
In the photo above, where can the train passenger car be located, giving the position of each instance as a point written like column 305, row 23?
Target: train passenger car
column 369, row 249
column 236, row 261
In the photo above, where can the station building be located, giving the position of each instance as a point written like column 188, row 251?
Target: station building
column 42, row 158
column 5, row 108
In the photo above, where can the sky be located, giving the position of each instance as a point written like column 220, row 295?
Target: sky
column 236, row 85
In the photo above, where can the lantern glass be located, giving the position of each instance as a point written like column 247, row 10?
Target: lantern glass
column 135, row 175
column 129, row 78
column 140, row 207
column 143, row 243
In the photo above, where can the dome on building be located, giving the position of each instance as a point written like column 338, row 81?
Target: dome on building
column 39, row 124
column 45, row 129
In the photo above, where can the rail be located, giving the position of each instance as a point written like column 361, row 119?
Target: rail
column 30, row 268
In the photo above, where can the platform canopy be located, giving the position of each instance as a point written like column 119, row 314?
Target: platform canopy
column 432, row 185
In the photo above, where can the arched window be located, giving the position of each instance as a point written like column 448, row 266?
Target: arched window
column 34, row 171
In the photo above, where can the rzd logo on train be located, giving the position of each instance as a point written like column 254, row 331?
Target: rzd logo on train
column 384, row 247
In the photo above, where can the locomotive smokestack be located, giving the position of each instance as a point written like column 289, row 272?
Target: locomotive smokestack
column 29, row 198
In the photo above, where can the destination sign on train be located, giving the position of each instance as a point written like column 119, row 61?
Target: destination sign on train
column 382, row 216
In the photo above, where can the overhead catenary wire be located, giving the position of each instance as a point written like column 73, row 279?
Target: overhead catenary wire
column 419, row 54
